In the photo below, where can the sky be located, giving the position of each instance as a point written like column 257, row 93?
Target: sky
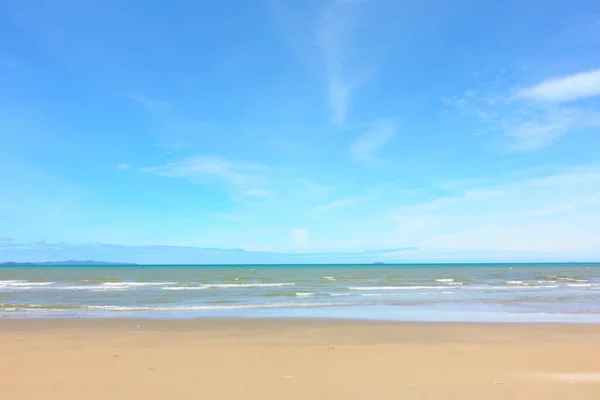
column 300, row 131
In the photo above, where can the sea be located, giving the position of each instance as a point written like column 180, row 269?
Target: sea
column 562, row 293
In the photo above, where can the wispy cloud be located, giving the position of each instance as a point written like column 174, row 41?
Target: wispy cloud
column 532, row 125
column 257, row 192
column 147, row 103
column 543, row 128
column 337, row 23
column 227, row 217
column 300, row 240
column 345, row 202
column 6, row 241
column 247, row 178
column 564, row 89
column 123, row 167
column 556, row 211
column 365, row 146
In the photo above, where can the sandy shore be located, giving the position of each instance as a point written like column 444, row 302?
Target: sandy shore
column 278, row 359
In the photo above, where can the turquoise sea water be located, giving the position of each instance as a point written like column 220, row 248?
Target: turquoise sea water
column 443, row 292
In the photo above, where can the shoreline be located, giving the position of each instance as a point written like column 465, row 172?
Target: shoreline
column 239, row 328
column 61, row 322
column 363, row 314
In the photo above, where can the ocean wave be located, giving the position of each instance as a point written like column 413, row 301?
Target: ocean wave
column 245, row 285
column 305, row 294
column 445, row 280
column 565, row 278
column 517, row 283
column 101, row 280
column 582, row 284
column 219, row 307
column 150, row 308
column 404, row 294
column 509, row 288
column 395, row 287
column 136, row 284
column 226, row 286
column 17, row 283
column 13, row 306
column 93, row 288
column 329, row 278
column 124, row 286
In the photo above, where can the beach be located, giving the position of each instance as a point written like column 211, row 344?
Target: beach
column 295, row 359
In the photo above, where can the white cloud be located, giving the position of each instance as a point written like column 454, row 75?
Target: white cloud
column 123, row 166
column 346, row 202
column 338, row 95
column 529, row 126
column 337, row 23
column 564, row 89
column 556, row 213
column 369, row 142
column 542, row 129
column 257, row 192
column 227, row 217
column 300, row 240
column 149, row 104
column 247, row 177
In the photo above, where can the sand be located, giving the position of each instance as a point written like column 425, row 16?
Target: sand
column 280, row 359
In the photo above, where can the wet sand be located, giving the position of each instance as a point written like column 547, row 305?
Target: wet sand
column 295, row 359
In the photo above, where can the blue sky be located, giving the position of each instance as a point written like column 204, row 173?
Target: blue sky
column 448, row 131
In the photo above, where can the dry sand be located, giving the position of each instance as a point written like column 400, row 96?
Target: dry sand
column 308, row 360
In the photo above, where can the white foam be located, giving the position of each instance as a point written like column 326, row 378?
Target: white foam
column 404, row 294
column 329, row 278
column 445, row 280
column 508, row 288
column 395, row 287
column 245, row 285
column 93, row 288
column 580, row 284
column 305, row 294
column 564, row 278
column 226, row 286
column 24, row 283
column 136, row 284
column 217, row 307
column 517, row 283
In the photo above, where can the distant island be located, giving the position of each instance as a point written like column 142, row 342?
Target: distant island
column 61, row 263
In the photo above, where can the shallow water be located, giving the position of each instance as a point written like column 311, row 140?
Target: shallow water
column 442, row 292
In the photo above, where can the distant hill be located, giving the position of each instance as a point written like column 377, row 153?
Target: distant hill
column 68, row 262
